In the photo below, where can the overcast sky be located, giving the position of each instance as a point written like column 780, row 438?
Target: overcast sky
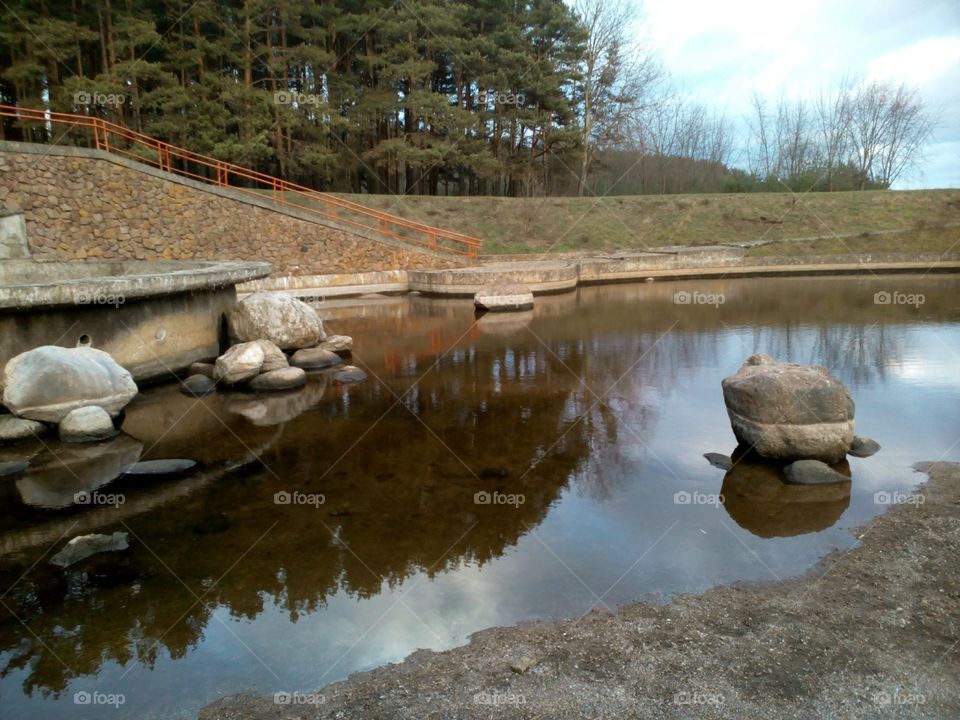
column 721, row 50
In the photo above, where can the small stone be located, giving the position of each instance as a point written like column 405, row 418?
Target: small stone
column 239, row 364
column 340, row 344
column 719, row 460
column 286, row 378
column 273, row 357
column 812, row 472
column 14, row 428
column 349, row 374
column 201, row 368
column 491, row 473
column 83, row 546
column 523, row 664
column 863, row 447
column 12, row 467
column 315, row 359
column 87, row 424
column 171, row 466
column 197, row 385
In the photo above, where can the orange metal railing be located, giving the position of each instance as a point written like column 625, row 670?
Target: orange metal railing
column 144, row 148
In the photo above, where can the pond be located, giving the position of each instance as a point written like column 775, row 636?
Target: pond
column 487, row 473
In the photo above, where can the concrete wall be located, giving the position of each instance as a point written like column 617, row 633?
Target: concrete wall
column 83, row 204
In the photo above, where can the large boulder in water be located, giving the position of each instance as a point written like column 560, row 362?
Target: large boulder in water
column 46, row 383
column 786, row 411
column 288, row 323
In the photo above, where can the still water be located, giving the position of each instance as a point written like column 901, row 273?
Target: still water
column 359, row 535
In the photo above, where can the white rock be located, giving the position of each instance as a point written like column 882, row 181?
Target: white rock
column 280, row 318
column 501, row 297
column 13, row 428
column 48, row 382
column 239, row 363
column 87, row 424
column 83, row 546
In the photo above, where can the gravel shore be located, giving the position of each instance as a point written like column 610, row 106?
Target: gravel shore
column 869, row 633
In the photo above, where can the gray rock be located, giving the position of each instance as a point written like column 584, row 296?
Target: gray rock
column 239, row 364
column 789, row 412
column 201, row 368
column 170, row 466
column 48, row 382
column 502, row 297
column 349, row 374
column 719, row 460
column 340, row 344
column 863, row 447
column 58, row 474
column 523, row 664
column 197, row 385
column 315, row 359
column 286, row 378
column 273, row 357
column 14, row 428
column 288, row 323
column 83, row 546
column 87, row 424
column 13, row 467
column 812, row 472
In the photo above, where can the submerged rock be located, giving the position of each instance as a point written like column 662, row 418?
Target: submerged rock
column 46, row 383
column 13, row 428
column 502, row 297
column 87, row 424
column 278, row 407
column 288, row 323
column 812, row 472
column 349, row 374
column 315, row 359
column 83, row 546
column 165, row 467
column 286, row 378
column 789, row 412
column 239, row 364
column 863, row 447
column 13, row 467
column 197, row 386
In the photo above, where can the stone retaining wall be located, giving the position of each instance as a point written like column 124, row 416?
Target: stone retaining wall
column 85, row 204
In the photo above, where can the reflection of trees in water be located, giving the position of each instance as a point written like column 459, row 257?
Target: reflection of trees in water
column 857, row 354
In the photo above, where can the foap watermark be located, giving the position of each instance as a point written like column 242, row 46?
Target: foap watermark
column 499, row 698
column 86, row 497
column 697, row 697
column 98, row 297
column 895, row 497
column 886, row 698
column 85, row 697
column 687, row 297
column 498, row 498
column 95, row 97
column 285, row 97
column 298, row 498
column 298, row 698
column 886, row 297
column 683, row 497
column 485, row 97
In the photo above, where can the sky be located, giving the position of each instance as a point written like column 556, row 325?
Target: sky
column 719, row 51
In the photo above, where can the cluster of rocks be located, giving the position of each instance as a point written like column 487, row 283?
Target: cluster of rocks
column 280, row 340
column 798, row 416
column 81, row 391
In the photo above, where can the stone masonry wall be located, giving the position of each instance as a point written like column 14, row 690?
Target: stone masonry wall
column 81, row 207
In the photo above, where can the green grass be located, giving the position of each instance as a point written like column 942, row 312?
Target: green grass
column 929, row 220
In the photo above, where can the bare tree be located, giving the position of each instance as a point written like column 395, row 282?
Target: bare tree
column 832, row 109
column 615, row 74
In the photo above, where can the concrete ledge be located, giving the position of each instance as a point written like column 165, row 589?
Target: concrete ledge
column 28, row 284
column 386, row 282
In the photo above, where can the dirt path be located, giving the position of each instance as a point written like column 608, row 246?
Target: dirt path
column 870, row 633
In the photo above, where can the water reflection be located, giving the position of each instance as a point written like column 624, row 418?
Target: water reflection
column 595, row 408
